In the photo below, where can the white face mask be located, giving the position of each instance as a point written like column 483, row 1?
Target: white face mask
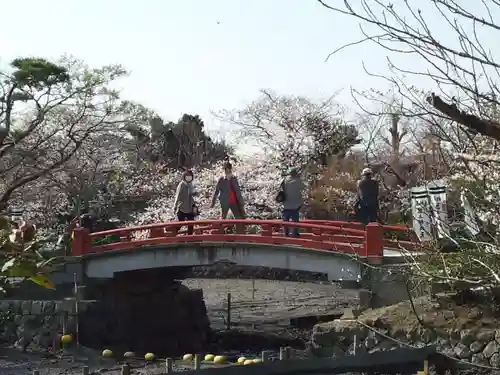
column 188, row 178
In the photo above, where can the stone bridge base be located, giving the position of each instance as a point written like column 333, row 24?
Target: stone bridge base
column 144, row 312
column 385, row 285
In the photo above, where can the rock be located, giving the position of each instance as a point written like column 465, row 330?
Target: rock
column 448, row 314
column 43, row 339
column 497, row 335
column 4, row 306
column 371, row 342
column 360, row 332
column 22, row 344
column 10, row 333
column 477, row 346
column 467, row 337
column 479, row 359
column 337, row 352
column 488, row 321
column 380, row 324
column 349, row 314
column 26, row 307
column 412, row 335
column 386, row 345
column 495, row 360
column 454, row 337
column 474, row 314
column 448, row 351
column 18, row 319
column 462, row 351
column 324, row 338
column 360, row 349
column 15, row 307
column 398, row 333
column 428, row 335
column 485, row 336
column 49, row 307
column 490, row 349
column 36, row 307
column 434, row 319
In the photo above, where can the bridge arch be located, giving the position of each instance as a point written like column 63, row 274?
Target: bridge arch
column 324, row 246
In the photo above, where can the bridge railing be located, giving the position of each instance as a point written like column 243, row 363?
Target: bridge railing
column 353, row 238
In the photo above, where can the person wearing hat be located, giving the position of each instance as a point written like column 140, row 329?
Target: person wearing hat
column 367, row 198
column 184, row 205
column 291, row 195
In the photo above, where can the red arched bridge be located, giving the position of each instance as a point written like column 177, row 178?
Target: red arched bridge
column 323, row 246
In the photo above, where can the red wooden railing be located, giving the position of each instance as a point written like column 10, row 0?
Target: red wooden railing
column 338, row 236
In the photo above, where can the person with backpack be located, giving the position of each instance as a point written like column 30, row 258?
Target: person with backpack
column 228, row 191
column 184, row 204
column 291, row 196
column 367, row 203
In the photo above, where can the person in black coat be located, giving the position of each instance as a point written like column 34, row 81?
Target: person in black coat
column 367, row 204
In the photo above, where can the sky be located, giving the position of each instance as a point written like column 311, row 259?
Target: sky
column 198, row 56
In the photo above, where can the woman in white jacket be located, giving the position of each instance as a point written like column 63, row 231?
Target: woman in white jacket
column 184, row 206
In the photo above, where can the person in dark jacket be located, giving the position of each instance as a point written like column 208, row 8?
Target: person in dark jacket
column 367, row 204
column 228, row 192
column 184, row 205
column 293, row 189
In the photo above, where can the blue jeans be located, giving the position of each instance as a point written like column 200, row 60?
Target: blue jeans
column 291, row 215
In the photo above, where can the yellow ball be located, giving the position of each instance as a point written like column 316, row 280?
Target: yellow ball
column 149, row 356
column 66, row 339
column 248, row 362
column 187, row 357
column 257, row 360
column 241, row 360
column 106, row 353
column 209, row 357
column 219, row 359
column 129, row 355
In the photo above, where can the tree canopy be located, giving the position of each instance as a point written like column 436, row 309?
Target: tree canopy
column 298, row 131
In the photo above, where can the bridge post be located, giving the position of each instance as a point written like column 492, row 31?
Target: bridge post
column 267, row 230
column 374, row 243
column 374, row 253
column 80, row 241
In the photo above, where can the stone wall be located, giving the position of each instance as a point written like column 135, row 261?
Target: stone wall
column 344, row 337
column 36, row 322
column 129, row 314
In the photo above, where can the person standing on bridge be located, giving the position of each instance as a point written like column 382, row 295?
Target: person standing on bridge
column 367, row 204
column 229, row 193
column 292, row 190
column 184, row 205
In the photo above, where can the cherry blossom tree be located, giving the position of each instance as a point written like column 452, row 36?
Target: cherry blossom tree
column 451, row 46
column 258, row 176
column 295, row 130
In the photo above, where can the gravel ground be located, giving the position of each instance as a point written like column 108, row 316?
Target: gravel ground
column 271, row 302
